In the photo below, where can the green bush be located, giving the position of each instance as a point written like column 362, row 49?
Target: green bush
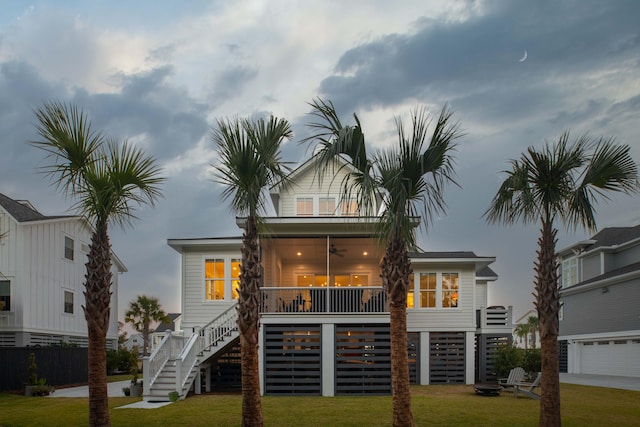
column 508, row 357
column 121, row 360
column 532, row 361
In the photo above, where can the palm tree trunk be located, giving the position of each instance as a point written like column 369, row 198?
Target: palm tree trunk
column 396, row 270
column 248, row 324
column 548, row 306
column 96, row 311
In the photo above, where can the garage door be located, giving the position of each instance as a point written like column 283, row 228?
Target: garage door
column 615, row 357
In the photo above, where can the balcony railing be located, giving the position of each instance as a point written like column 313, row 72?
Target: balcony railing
column 494, row 318
column 364, row 299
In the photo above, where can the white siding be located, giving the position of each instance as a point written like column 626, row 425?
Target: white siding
column 461, row 318
column 196, row 311
column 307, row 184
column 481, row 295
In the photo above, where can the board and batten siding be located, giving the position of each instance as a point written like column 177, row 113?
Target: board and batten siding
column 482, row 295
column 8, row 245
column 196, row 311
column 43, row 274
column 461, row 318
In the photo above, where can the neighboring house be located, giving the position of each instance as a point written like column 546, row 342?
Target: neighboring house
column 532, row 339
column 325, row 320
column 42, row 269
column 600, row 296
column 172, row 325
column 135, row 341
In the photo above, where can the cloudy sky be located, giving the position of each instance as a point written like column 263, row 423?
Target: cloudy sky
column 159, row 74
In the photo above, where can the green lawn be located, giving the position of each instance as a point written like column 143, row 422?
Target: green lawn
column 432, row 405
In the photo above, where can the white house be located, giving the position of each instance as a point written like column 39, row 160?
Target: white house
column 42, row 268
column 533, row 338
column 325, row 320
column 599, row 311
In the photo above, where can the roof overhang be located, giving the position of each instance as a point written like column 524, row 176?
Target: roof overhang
column 479, row 262
column 576, row 289
column 205, row 243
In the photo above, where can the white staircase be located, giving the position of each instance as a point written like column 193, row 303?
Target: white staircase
column 174, row 364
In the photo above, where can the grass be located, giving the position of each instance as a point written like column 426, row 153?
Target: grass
column 432, row 405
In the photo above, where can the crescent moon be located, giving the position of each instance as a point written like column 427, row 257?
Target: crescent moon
column 524, row 57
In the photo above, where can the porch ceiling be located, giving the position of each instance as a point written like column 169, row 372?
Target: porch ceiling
column 343, row 249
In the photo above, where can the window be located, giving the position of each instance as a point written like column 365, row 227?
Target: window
column 449, row 290
column 326, row 206
column 349, row 207
column 68, row 302
column 569, row 272
column 68, row 248
column 5, row 295
column 427, row 289
column 410, row 295
column 214, row 279
column 304, row 206
column 235, row 278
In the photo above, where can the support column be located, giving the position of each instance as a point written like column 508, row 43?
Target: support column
column 328, row 359
column 424, row 358
column 470, row 360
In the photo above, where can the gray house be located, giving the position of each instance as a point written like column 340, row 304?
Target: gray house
column 600, row 304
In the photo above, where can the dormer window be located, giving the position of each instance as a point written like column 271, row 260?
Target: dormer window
column 326, row 206
column 304, row 206
column 349, row 207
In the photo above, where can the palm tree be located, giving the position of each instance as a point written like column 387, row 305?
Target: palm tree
column 563, row 182
column 522, row 331
column 142, row 311
column 107, row 180
column 250, row 161
column 532, row 326
column 411, row 179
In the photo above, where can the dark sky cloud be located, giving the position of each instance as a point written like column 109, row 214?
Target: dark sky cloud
column 162, row 81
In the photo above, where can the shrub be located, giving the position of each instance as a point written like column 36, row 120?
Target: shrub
column 532, row 361
column 508, row 357
column 121, row 360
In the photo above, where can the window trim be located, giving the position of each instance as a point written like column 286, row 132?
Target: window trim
column 227, row 279
column 567, row 265
column 8, row 281
column 64, row 301
column 72, row 248
column 439, row 291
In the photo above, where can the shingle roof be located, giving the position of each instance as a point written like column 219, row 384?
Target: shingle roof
column 23, row 212
column 486, row 272
column 614, row 236
column 166, row 326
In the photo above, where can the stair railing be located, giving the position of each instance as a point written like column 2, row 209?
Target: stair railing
column 220, row 327
column 186, row 361
column 153, row 364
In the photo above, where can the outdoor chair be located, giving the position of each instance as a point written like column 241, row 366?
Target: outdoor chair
column 528, row 388
column 516, row 375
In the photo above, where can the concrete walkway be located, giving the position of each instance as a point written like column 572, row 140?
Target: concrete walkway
column 113, row 389
column 609, row 381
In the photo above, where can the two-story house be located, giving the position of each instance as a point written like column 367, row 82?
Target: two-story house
column 42, row 269
column 600, row 297
column 324, row 314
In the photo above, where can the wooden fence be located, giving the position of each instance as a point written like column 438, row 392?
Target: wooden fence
column 58, row 365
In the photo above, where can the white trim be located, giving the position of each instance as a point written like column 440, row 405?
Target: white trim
column 599, row 283
column 633, row 334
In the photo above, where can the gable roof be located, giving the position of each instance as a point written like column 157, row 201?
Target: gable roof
column 23, row 211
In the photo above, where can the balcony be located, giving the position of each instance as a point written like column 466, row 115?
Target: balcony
column 496, row 319
column 319, row 300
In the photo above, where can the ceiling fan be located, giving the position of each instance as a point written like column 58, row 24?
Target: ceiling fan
column 335, row 251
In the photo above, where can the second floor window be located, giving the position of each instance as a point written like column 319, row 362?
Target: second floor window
column 214, row 279
column 428, row 290
column 449, row 290
column 326, row 206
column 68, row 302
column 349, row 207
column 304, row 206
column 569, row 272
column 68, row 248
column 5, row 295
